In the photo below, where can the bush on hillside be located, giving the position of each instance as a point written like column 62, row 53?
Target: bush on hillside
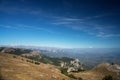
column 64, row 71
column 1, row 78
column 37, row 63
column 14, row 57
column 80, row 78
column 109, row 77
column 72, row 76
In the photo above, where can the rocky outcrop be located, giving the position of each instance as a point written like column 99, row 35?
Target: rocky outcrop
column 72, row 66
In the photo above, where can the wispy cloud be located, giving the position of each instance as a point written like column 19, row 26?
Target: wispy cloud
column 8, row 26
column 70, row 20
column 36, row 28
column 102, row 31
column 108, row 35
column 80, row 24
column 26, row 27
column 18, row 10
column 98, row 30
column 65, row 21
column 97, row 16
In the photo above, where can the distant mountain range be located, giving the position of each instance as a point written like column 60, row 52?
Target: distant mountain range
column 70, row 50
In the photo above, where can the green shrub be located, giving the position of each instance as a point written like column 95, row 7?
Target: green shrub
column 109, row 77
column 22, row 59
column 112, row 63
column 72, row 76
column 27, row 60
column 64, row 71
column 80, row 78
column 37, row 63
column 1, row 78
column 14, row 57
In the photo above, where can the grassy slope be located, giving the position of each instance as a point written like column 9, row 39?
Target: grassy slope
column 35, row 55
column 17, row 68
column 97, row 73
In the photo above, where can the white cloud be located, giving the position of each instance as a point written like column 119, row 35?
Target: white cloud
column 103, row 35
column 65, row 21
column 98, row 30
column 69, row 19
column 8, row 26
column 26, row 27
column 61, row 23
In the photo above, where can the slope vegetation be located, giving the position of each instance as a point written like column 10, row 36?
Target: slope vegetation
column 100, row 71
column 14, row 67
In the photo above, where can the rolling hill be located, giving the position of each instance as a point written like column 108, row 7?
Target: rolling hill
column 13, row 67
column 100, row 71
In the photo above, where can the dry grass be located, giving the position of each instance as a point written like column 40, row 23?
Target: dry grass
column 97, row 73
column 17, row 68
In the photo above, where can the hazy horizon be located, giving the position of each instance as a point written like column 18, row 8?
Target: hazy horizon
column 38, row 46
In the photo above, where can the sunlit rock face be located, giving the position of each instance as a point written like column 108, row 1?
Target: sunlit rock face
column 72, row 66
column 75, row 65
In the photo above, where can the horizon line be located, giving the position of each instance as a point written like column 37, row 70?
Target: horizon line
column 36, row 46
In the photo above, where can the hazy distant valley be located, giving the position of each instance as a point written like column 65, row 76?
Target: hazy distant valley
column 90, row 57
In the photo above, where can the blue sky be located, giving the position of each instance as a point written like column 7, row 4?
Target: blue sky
column 60, row 23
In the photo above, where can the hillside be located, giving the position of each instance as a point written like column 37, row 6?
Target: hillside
column 14, row 67
column 100, row 71
column 28, row 53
